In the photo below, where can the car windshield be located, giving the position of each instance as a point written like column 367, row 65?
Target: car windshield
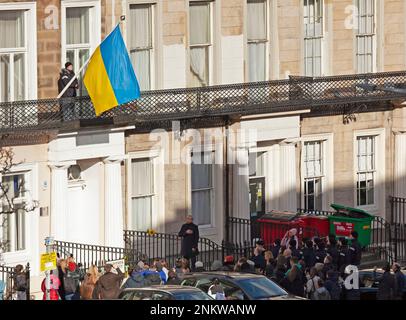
column 260, row 288
column 191, row 295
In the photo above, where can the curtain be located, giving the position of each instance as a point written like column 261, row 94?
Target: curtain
column 140, row 43
column 12, row 29
column 256, row 20
column 199, row 24
column 199, row 65
column 257, row 61
column 201, row 207
column 77, row 25
column 19, row 70
column 142, row 187
column 4, row 77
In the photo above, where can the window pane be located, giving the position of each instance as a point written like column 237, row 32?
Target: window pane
column 201, row 207
column 199, row 23
column 141, row 26
column 201, row 176
column 257, row 61
column 77, row 25
column 142, row 66
column 199, row 66
column 4, row 77
column 256, row 14
column 142, row 177
column 12, row 29
column 70, row 56
column 19, row 76
column 141, row 213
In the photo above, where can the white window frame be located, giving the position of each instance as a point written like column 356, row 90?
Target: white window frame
column 31, row 252
column 313, row 39
column 211, row 44
column 268, row 40
column 378, row 208
column 94, row 26
column 153, row 51
column 327, row 178
column 30, row 32
column 158, row 216
column 363, row 35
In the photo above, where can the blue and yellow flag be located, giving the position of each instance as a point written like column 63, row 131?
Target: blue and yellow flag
column 110, row 78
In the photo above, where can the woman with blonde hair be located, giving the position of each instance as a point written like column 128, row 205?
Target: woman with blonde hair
column 89, row 283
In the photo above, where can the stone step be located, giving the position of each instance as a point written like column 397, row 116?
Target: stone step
column 372, row 263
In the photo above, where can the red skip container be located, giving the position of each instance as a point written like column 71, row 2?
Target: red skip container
column 313, row 224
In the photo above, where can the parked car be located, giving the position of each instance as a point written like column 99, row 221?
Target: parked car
column 239, row 286
column 369, row 286
column 164, row 292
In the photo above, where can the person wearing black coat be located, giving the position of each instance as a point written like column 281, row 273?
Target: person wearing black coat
column 387, row 284
column 190, row 238
column 332, row 285
column 295, row 252
column 276, row 248
column 355, row 249
column 400, row 281
column 321, row 252
column 344, row 255
column 332, row 250
column 67, row 106
column 309, row 255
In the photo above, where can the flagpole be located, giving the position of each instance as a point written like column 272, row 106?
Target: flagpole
column 85, row 64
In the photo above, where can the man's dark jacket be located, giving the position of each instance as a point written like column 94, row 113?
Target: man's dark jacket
column 189, row 241
column 64, row 77
column 108, row 286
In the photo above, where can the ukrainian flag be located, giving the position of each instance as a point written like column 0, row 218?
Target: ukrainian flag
column 110, row 79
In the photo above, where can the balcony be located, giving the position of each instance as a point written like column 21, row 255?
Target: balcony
column 324, row 95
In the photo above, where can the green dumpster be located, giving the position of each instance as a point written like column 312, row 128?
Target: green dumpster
column 347, row 219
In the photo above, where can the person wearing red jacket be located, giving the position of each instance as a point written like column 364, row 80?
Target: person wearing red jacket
column 54, row 286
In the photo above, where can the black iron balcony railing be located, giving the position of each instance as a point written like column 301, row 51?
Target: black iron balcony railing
column 295, row 93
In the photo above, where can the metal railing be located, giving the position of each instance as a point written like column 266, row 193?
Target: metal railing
column 88, row 254
column 328, row 95
column 398, row 210
column 7, row 282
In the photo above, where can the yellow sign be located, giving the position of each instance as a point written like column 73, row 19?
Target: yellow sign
column 48, row 261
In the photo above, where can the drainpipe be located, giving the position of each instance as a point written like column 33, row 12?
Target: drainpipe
column 227, row 182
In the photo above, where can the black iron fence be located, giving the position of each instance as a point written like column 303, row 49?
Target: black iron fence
column 8, row 288
column 398, row 227
column 398, row 206
column 295, row 93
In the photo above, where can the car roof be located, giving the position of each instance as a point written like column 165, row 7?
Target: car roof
column 167, row 288
column 225, row 274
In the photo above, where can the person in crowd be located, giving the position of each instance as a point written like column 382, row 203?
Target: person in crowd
column 293, row 281
column 246, row 267
column 280, row 269
column 259, row 245
column 162, row 273
column 312, row 283
column 309, row 255
column 190, row 238
column 355, row 249
column 332, row 249
column 228, row 264
column 251, row 265
column 199, row 266
column 20, row 282
column 2, row 288
column 400, row 281
column 276, row 247
column 344, row 255
column 269, row 264
column 287, row 253
column 178, row 266
column 258, row 259
column 290, row 235
column 65, row 76
column 216, row 265
column 61, row 270
column 332, row 285
column 328, row 265
column 185, row 266
column 294, row 248
column 319, row 269
column 165, row 267
column 321, row 292
column 53, row 287
column 216, row 290
column 173, row 278
column 321, row 252
column 239, row 263
column 89, row 282
column 387, row 284
column 108, row 285
column 136, row 279
column 71, row 280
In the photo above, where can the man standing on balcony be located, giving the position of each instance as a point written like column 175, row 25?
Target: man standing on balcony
column 190, row 238
column 67, row 105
